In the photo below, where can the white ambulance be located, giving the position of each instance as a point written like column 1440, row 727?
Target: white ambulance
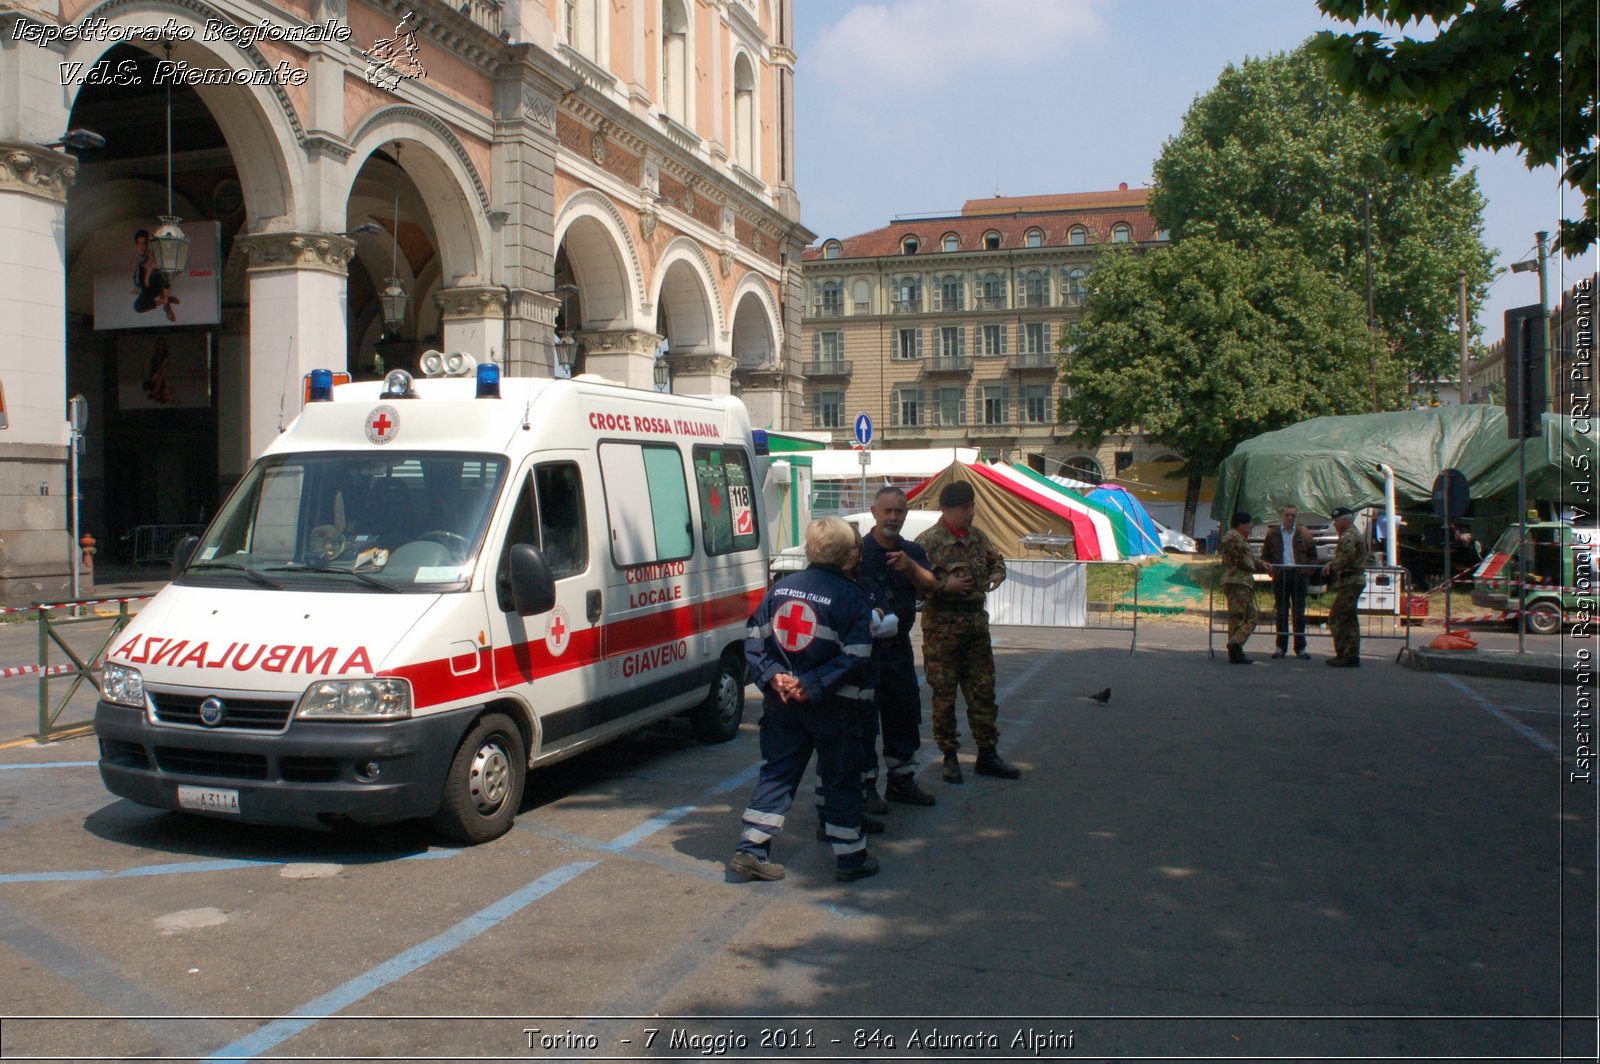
column 425, row 588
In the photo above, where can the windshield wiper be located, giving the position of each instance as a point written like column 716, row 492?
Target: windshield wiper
column 254, row 574
column 363, row 577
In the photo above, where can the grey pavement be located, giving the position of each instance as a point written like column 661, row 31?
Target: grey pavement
column 1283, row 861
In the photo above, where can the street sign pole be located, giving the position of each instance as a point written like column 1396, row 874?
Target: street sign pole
column 863, row 439
column 1449, row 570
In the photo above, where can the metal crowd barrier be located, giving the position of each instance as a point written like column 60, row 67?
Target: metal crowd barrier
column 156, row 543
column 1383, row 610
column 53, row 619
column 1066, row 593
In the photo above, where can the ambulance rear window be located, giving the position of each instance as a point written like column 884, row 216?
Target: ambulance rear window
column 727, row 503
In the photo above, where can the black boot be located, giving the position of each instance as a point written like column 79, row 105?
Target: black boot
column 952, row 769
column 991, row 763
column 871, row 801
column 1236, row 655
column 905, row 789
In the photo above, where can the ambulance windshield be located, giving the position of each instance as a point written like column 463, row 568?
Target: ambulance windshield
column 405, row 521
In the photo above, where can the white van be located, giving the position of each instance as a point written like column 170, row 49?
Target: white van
column 425, row 588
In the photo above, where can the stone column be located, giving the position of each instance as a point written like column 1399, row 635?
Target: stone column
column 34, row 550
column 627, row 356
column 474, row 319
column 763, row 392
column 523, row 159
column 298, row 321
column 697, row 374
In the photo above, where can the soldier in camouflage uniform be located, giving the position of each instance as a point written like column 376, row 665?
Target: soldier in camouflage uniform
column 955, row 632
column 1348, row 574
column 1239, row 567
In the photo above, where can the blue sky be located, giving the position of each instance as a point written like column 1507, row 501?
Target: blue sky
column 915, row 106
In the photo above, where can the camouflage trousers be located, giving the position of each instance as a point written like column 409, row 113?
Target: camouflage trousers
column 1342, row 621
column 956, row 652
column 1242, row 613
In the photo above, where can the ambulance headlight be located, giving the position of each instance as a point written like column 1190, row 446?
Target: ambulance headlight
column 122, row 686
column 383, row 698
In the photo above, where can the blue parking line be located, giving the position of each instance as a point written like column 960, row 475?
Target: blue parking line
column 191, row 867
column 51, row 764
column 405, row 963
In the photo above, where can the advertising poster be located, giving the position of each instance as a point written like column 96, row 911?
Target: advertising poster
column 129, row 293
column 163, row 371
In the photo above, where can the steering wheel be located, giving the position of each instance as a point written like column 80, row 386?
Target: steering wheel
column 325, row 543
column 455, row 544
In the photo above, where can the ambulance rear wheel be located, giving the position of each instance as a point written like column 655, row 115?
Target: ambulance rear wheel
column 1544, row 618
column 716, row 720
column 484, row 786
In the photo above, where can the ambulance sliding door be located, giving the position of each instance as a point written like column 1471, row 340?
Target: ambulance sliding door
column 558, row 651
column 650, row 629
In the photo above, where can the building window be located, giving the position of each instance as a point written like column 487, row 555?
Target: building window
column 1036, row 337
column 1074, row 295
column 830, row 300
column 906, row 406
column 830, row 410
column 952, row 341
column 907, row 295
column 950, row 295
column 1035, row 289
column 831, row 249
column 675, row 62
column 580, row 26
column 1077, row 236
column 909, row 245
column 827, row 346
column 1082, row 467
column 1036, row 404
column 992, row 291
column 994, row 340
column 952, row 242
column 744, row 114
column 996, row 405
column 1034, row 238
column 991, row 240
column 1122, row 233
column 952, row 406
column 907, row 344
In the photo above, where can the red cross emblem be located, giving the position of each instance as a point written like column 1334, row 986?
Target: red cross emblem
column 716, row 502
column 795, row 626
column 557, row 635
column 383, row 424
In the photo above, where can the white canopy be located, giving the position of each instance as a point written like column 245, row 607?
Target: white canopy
column 888, row 464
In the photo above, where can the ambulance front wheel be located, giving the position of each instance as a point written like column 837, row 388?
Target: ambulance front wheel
column 716, row 720
column 1544, row 618
column 484, row 787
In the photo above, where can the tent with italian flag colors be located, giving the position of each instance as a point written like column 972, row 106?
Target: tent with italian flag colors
column 1122, row 534
column 1009, row 509
column 1108, row 527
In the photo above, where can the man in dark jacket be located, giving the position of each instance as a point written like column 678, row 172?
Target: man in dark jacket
column 901, row 571
column 809, row 649
column 1288, row 548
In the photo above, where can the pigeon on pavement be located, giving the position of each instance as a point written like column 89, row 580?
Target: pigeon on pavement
column 1103, row 696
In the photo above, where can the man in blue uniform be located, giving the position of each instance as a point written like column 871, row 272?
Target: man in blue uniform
column 809, row 649
column 901, row 571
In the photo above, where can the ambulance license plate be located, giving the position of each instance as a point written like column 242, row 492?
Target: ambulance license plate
column 208, row 799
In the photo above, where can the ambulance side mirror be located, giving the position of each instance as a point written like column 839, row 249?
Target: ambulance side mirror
column 183, row 553
column 533, row 589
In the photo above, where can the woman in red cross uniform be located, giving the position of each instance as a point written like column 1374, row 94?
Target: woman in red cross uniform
column 809, row 649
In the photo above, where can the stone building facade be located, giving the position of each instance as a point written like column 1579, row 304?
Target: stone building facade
column 618, row 170
column 945, row 329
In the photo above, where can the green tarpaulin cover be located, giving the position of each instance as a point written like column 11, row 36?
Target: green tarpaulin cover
column 1333, row 461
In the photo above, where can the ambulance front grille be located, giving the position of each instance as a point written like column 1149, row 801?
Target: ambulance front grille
column 250, row 714
column 216, row 763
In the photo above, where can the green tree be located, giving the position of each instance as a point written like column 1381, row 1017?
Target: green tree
column 1204, row 345
column 1493, row 76
column 1276, row 156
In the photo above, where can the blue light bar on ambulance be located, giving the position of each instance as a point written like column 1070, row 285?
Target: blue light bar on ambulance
column 759, row 438
column 488, row 381
column 321, row 390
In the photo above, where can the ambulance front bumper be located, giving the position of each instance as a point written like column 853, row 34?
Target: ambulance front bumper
column 314, row 774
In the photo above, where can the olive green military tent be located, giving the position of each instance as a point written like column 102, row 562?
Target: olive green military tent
column 1336, row 461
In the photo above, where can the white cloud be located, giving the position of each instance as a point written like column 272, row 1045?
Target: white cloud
column 921, row 44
